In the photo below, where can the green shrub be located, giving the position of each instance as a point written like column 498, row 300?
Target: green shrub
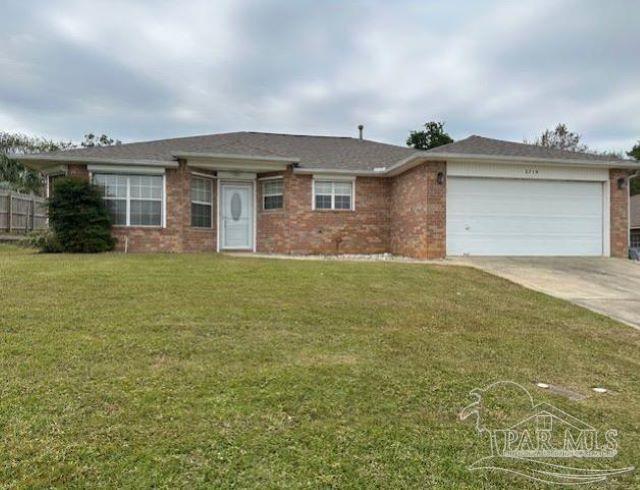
column 79, row 217
column 44, row 240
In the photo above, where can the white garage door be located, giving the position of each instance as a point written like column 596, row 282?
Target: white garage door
column 523, row 217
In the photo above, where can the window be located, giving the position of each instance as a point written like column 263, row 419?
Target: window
column 272, row 194
column 201, row 202
column 333, row 194
column 132, row 200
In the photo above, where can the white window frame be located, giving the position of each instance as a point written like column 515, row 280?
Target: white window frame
column 128, row 199
column 266, row 181
column 210, row 179
column 333, row 180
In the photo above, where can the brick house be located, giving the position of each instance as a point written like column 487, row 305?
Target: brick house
column 292, row 194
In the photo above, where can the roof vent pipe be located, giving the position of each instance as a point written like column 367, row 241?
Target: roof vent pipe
column 360, row 128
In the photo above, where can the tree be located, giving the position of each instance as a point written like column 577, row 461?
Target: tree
column 560, row 139
column 17, row 176
column 22, row 179
column 90, row 140
column 432, row 136
column 635, row 151
column 79, row 218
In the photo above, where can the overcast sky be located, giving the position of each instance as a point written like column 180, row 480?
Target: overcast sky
column 154, row 69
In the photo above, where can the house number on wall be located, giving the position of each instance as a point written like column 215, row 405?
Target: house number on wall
column 531, row 171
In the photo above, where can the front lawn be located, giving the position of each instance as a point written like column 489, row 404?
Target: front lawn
column 211, row 371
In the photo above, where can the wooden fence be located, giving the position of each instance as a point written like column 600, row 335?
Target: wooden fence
column 21, row 213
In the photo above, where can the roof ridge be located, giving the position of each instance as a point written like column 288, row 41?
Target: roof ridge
column 299, row 135
column 523, row 143
column 551, row 151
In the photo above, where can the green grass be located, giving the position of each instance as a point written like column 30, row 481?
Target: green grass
column 210, row 371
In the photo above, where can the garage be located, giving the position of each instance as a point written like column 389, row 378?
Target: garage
column 526, row 216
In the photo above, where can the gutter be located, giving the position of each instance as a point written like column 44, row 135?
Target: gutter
column 231, row 156
column 268, row 163
column 44, row 159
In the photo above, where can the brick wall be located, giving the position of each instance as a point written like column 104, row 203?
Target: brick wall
column 299, row 229
column 404, row 215
column 77, row 170
column 178, row 235
column 619, row 213
column 272, row 225
column 417, row 212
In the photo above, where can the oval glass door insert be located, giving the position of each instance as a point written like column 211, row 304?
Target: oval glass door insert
column 236, row 206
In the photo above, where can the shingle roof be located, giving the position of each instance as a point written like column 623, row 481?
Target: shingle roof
column 318, row 152
column 327, row 152
column 478, row 145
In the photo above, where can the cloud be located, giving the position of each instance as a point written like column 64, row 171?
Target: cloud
column 140, row 70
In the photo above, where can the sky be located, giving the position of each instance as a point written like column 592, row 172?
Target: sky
column 140, row 70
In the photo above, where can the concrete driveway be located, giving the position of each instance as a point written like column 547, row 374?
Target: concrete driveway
column 606, row 285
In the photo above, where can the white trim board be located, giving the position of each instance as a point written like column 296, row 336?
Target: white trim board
column 122, row 169
column 527, row 172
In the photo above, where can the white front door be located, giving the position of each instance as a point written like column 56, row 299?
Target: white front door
column 236, row 216
column 524, row 217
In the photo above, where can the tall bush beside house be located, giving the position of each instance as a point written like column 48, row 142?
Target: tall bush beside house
column 79, row 218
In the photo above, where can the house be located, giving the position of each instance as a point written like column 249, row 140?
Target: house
column 294, row 194
column 634, row 221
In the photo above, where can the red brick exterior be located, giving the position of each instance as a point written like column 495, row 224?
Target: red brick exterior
column 404, row 215
column 178, row 235
column 418, row 207
column 619, row 213
column 80, row 171
column 299, row 229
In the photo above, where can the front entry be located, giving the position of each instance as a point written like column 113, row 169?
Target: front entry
column 236, row 216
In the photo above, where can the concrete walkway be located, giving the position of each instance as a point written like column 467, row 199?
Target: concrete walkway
column 605, row 285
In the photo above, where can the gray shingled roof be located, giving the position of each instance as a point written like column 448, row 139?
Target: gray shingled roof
column 478, row 145
column 317, row 152
column 327, row 152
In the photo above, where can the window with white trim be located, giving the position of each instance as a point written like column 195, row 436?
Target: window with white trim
column 132, row 200
column 329, row 194
column 201, row 202
column 272, row 194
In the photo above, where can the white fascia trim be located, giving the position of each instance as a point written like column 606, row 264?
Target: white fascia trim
column 417, row 159
column 236, row 165
column 122, row 169
column 334, row 172
column 333, row 177
column 204, row 176
column 223, row 161
column 26, row 159
column 233, row 156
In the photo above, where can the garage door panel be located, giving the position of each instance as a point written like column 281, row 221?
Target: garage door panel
column 523, row 217
column 530, row 204
column 526, row 224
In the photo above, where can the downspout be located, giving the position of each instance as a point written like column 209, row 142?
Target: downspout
column 634, row 175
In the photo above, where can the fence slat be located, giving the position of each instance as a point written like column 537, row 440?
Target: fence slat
column 21, row 213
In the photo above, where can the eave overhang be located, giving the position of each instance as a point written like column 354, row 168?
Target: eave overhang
column 42, row 162
column 224, row 161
